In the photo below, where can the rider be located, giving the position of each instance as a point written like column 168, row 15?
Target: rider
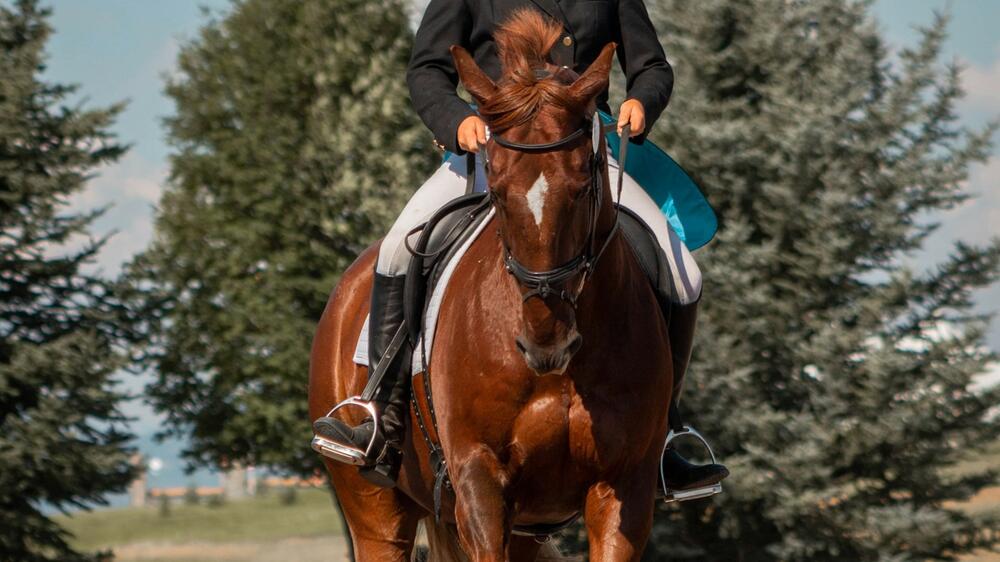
column 433, row 80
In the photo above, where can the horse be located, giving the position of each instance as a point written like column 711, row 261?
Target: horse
column 551, row 370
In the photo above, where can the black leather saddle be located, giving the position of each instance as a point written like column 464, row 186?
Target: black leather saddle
column 439, row 240
column 647, row 251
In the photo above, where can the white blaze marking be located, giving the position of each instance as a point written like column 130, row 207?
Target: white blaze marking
column 536, row 197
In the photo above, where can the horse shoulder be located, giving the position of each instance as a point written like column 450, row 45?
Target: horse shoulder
column 474, row 356
column 621, row 379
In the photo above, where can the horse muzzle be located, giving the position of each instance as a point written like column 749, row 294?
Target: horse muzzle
column 549, row 360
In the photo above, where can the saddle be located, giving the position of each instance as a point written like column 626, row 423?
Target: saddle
column 647, row 252
column 440, row 239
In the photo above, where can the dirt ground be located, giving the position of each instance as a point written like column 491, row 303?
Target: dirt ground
column 986, row 500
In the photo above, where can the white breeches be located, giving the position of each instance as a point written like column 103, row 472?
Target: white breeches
column 449, row 182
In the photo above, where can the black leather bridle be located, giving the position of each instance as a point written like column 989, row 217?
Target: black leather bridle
column 552, row 282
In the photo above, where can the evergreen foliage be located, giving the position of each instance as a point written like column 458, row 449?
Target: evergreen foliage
column 834, row 366
column 294, row 148
column 62, row 439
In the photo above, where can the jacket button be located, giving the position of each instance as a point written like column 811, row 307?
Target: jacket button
column 568, row 41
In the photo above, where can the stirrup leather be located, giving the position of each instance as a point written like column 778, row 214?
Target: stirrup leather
column 348, row 453
column 670, row 496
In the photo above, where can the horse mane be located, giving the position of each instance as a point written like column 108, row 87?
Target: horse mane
column 524, row 42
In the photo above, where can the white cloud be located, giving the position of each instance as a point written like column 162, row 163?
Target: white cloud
column 979, row 218
column 131, row 178
column 976, row 221
column 988, row 379
column 146, row 188
column 131, row 187
column 982, row 83
column 164, row 61
column 124, row 244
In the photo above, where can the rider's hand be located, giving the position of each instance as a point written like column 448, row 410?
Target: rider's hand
column 634, row 114
column 471, row 133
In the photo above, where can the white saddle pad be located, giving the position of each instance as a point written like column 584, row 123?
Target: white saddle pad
column 433, row 308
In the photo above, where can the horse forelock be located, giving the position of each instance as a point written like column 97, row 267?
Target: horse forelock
column 524, row 43
column 525, row 40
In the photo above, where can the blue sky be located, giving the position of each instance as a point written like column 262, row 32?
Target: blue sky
column 121, row 50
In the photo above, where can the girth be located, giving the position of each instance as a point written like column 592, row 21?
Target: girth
column 544, row 529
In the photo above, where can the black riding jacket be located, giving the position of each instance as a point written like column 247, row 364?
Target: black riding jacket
column 589, row 25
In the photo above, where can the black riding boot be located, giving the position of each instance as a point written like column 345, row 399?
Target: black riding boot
column 392, row 396
column 679, row 474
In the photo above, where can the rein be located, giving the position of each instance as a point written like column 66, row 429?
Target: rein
column 542, row 284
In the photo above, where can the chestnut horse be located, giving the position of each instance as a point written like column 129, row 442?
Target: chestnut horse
column 550, row 403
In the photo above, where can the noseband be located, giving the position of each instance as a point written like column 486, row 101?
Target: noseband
column 550, row 282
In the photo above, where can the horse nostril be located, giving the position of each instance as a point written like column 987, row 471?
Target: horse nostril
column 519, row 342
column 575, row 345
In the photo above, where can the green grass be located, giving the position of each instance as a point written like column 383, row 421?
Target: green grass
column 258, row 519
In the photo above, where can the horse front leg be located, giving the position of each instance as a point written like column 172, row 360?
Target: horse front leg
column 480, row 507
column 382, row 521
column 619, row 517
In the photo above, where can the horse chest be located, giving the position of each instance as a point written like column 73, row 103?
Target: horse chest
column 583, row 434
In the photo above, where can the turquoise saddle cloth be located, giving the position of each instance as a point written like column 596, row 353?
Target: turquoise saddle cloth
column 680, row 199
column 686, row 208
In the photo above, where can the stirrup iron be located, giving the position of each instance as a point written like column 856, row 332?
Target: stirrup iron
column 347, row 453
column 670, row 496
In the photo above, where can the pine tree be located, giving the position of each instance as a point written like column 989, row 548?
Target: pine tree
column 833, row 365
column 294, row 148
column 62, row 439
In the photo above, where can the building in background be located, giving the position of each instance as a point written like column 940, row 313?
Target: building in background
column 137, row 489
column 236, row 483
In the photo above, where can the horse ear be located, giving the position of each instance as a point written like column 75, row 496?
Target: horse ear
column 476, row 81
column 594, row 80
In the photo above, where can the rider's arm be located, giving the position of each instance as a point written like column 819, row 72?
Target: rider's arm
column 431, row 75
column 649, row 77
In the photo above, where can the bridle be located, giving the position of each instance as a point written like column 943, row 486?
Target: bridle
column 542, row 284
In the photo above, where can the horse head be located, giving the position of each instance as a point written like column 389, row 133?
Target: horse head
column 547, row 176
